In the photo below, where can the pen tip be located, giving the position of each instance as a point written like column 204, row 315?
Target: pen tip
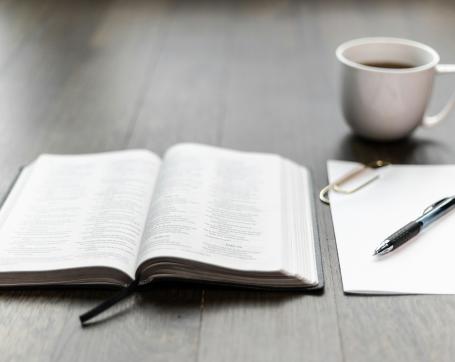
column 383, row 249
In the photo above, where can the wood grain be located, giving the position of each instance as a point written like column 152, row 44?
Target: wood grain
column 86, row 76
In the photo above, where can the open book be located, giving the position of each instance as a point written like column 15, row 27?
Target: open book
column 201, row 213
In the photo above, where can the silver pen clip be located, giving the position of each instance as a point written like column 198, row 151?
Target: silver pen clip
column 432, row 206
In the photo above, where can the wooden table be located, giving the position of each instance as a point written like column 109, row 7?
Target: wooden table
column 88, row 76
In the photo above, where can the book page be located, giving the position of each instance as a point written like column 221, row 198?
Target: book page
column 78, row 211
column 216, row 206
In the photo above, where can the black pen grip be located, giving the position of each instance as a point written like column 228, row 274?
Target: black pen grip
column 406, row 233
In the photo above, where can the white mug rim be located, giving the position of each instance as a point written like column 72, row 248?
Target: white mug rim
column 390, row 40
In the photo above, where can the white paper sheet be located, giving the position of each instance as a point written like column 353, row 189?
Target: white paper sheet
column 424, row 265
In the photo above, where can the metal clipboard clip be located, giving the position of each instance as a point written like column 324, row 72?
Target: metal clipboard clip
column 336, row 185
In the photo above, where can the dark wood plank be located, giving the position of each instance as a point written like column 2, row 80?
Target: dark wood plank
column 87, row 76
column 366, row 324
column 272, row 84
column 369, row 325
column 19, row 22
column 185, row 99
column 75, row 87
column 33, row 75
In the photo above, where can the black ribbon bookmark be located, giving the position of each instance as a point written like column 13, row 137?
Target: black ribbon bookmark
column 100, row 308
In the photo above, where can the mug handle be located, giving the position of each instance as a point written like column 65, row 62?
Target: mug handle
column 430, row 121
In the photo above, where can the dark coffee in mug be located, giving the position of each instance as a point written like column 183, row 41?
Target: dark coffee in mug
column 389, row 65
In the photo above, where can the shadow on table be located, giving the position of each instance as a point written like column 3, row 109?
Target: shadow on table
column 166, row 297
column 408, row 150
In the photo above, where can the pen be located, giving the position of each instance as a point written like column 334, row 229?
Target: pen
column 407, row 232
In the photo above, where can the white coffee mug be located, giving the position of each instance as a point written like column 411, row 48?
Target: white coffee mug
column 383, row 102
